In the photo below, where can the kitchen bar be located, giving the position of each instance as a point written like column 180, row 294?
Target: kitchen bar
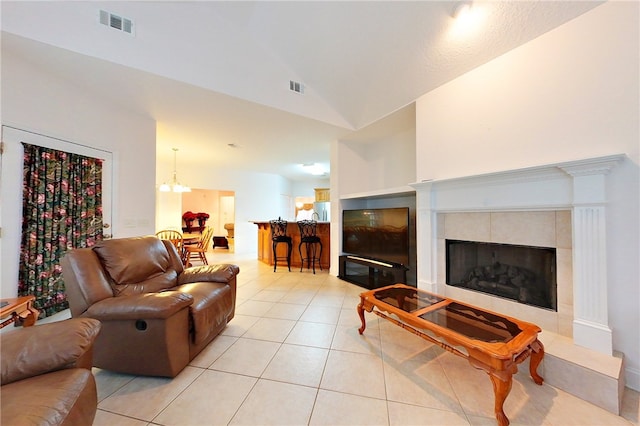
column 265, row 250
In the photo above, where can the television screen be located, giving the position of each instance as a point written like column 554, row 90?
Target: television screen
column 381, row 234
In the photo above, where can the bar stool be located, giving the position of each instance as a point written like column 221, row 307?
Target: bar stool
column 311, row 241
column 279, row 235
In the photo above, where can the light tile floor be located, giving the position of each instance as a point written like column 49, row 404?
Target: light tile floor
column 293, row 356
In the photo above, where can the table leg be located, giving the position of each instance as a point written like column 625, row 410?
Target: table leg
column 501, row 389
column 537, row 353
column 29, row 316
column 361, row 314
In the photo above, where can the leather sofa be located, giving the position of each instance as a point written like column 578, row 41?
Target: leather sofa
column 156, row 315
column 46, row 374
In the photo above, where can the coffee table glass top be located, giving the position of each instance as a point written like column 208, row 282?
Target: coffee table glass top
column 473, row 323
column 407, row 299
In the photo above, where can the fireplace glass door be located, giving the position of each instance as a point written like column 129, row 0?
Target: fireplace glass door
column 522, row 273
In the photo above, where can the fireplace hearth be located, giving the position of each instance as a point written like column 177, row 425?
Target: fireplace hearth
column 522, row 273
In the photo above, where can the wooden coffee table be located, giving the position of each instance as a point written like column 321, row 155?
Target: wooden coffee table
column 490, row 341
column 18, row 309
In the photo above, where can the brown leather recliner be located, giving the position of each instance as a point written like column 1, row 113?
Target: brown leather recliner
column 156, row 316
column 46, row 374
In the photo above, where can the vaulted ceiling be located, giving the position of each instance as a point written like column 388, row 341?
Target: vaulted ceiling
column 214, row 73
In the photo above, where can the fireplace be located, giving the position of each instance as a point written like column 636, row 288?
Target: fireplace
column 560, row 205
column 525, row 274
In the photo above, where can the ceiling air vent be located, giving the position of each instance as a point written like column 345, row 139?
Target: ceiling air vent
column 116, row 22
column 296, row 86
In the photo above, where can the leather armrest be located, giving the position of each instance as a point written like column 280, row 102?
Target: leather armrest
column 43, row 348
column 140, row 306
column 221, row 273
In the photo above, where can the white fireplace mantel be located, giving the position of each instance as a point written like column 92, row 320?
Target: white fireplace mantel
column 579, row 186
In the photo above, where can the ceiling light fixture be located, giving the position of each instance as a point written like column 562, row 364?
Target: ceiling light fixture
column 313, row 168
column 462, row 9
column 468, row 20
column 175, row 185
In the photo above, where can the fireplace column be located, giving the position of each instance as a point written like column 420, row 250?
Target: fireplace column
column 590, row 323
column 426, row 240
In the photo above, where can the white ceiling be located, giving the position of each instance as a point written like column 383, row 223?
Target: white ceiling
column 216, row 73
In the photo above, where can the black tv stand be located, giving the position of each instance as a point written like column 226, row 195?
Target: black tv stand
column 371, row 273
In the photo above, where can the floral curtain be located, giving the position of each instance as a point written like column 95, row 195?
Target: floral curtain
column 61, row 210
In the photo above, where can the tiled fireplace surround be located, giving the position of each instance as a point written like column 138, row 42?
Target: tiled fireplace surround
column 532, row 228
column 559, row 205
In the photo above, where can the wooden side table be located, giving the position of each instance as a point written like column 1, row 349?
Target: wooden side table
column 18, row 309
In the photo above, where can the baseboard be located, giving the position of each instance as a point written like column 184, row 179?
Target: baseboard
column 632, row 378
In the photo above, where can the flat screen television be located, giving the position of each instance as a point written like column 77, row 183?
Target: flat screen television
column 381, row 234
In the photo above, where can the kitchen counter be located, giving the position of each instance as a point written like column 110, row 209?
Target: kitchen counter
column 265, row 250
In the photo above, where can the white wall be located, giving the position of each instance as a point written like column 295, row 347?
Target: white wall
column 352, row 174
column 379, row 156
column 35, row 100
column 377, row 165
column 570, row 94
column 306, row 188
column 168, row 210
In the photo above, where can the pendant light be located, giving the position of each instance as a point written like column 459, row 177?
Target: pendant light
column 175, row 185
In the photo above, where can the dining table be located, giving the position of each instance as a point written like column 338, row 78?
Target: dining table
column 191, row 237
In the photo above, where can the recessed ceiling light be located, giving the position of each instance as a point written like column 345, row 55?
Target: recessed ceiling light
column 463, row 8
column 314, row 169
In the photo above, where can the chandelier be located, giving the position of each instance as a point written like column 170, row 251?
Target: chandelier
column 175, row 185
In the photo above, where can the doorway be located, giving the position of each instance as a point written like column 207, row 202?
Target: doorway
column 219, row 205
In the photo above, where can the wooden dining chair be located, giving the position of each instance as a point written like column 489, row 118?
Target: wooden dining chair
column 176, row 239
column 198, row 252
